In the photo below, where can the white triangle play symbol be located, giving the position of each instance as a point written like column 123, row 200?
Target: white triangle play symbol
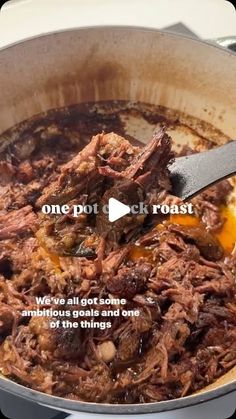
column 117, row 209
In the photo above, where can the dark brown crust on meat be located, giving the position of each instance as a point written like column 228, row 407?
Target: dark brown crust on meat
column 183, row 285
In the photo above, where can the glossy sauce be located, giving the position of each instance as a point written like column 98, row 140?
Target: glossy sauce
column 226, row 235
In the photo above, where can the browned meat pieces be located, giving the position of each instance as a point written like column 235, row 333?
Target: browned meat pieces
column 59, row 343
column 7, row 317
column 25, row 172
column 152, row 161
column 218, row 193
column 223, row 286
column 95, row 385
column 177, row 278
column 17, row 223
column 129, row 193
column 115, row 259
column 129, row 281
column 139, row 173
column 208, row 245
column 74, row 177
column 146, row 174
column 80, row 182
column 81, row 175
column 7, row 172
column 16, row 256
column 208, row 203
column 127, row 353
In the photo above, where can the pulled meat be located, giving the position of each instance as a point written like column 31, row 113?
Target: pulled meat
column 182, row 284
column 146, row 174
column 17, row 223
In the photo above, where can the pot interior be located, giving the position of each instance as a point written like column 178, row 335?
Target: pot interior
column 132, row 64
column 183, row 79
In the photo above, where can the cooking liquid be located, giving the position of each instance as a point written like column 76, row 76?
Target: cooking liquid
column 226, row 235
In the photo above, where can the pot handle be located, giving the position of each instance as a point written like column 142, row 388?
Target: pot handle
column 226, row 42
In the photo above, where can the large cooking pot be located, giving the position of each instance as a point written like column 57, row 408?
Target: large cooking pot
column 64, row 68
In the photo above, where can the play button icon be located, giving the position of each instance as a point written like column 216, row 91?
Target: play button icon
column 117, row 210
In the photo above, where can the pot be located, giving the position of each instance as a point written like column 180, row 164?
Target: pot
column 121, row 63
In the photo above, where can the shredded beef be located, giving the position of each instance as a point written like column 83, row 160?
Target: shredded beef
column 129, row 281
column 208, row 204
column 17, row 223
column 140, row 177
column 183, row 282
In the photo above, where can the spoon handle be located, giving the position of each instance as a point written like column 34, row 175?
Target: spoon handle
column 190, row 175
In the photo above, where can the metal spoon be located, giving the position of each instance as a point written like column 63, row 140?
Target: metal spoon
column 190, row 175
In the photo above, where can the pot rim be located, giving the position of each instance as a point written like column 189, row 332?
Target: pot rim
column 210, row 42
column 60, row 403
